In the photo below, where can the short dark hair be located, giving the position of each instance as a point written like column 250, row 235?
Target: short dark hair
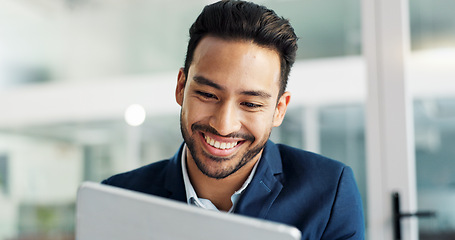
column 240, row 20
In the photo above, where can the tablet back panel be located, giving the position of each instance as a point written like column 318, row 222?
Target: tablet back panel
column 105, row 212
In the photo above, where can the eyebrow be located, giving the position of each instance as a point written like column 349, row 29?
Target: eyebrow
column 261, row 94
column 204, row 81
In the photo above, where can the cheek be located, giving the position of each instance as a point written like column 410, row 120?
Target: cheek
column 194, row 111
column 259, row 125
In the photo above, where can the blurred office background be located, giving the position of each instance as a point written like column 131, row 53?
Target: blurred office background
column 69, row 69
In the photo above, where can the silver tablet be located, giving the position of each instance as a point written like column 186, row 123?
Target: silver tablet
column 105, row 212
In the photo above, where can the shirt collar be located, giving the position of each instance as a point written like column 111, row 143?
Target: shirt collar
column 193, row 199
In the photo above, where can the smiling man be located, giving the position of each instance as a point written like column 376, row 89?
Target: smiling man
column 232, row 93
column 230, row 102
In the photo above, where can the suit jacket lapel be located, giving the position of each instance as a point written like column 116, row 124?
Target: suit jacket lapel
column 259, row 195
column 265, row 186
column 174, row 179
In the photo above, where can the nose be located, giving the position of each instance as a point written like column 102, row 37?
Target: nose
column 225, row 119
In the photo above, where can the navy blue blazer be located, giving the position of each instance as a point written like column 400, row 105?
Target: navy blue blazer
column 317, row 195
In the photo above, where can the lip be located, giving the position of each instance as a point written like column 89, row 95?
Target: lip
column 220, row 152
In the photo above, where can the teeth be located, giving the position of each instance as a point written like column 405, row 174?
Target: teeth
column 219, row 145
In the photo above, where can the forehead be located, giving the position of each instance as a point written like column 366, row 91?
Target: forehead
column 236, row 64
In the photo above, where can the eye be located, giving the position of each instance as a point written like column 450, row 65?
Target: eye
column 206, row 95
column 251, row 105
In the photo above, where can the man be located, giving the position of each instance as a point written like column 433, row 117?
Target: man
column 232, row 93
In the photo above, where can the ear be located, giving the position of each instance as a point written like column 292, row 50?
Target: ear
column 180, row 88
column 281, row 108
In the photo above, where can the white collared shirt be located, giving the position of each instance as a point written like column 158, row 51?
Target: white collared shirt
column 192, row 197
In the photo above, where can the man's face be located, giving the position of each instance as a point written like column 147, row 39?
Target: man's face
column 229, row 104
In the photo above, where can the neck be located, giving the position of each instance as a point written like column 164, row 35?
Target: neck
column 218, row 191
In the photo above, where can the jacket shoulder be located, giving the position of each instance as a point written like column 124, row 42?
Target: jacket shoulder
column 147, row 179
column 326, row 190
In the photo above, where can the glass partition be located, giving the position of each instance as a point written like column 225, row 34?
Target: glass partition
column 431, row 75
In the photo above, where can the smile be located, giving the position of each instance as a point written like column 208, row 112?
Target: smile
column 220, row 145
